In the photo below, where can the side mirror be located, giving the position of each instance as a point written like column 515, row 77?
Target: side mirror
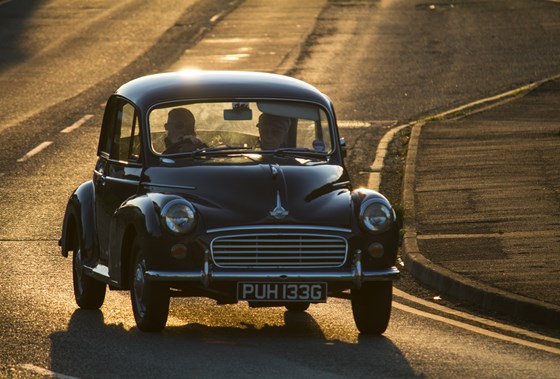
column 342, row 143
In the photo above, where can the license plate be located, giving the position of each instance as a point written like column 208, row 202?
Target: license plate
column 311, row 292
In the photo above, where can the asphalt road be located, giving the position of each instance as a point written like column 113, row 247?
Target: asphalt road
column 380, row 61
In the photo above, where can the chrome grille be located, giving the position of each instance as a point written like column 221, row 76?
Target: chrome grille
column 282, row 250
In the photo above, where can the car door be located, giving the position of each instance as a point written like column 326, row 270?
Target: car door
column 118, row 168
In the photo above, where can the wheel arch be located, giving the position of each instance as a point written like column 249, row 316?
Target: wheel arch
column 69, row 233
column 135, row 219
column 129, row 237
column 79, row 220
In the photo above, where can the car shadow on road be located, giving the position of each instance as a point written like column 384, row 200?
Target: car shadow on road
column 298, row 348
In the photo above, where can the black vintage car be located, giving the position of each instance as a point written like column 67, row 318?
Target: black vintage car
column 232, row 186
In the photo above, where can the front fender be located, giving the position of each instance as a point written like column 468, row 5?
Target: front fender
column 389, row 239
column 137, row 218
column 139, row 212
column 79, row 220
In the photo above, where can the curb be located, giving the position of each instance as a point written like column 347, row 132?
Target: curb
column 437, row 277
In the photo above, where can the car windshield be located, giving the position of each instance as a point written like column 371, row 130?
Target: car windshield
column 261, row 126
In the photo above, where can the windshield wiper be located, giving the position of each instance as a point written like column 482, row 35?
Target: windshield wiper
column 299, row 151
column 287, row 151
column 212, row 150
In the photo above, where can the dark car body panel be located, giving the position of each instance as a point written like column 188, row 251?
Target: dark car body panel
column 298, row 186
column 168, row 87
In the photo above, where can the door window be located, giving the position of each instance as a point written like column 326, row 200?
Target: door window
column 120, row 139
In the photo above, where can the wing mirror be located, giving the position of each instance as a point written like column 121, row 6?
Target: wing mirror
column 342, row 143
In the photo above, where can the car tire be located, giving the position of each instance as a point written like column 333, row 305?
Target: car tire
column 297, row 307
column 150, row 301
column 371, row 306
column 88, row 292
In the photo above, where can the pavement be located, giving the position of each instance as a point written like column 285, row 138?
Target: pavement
column 482, row 182
column 482, row 204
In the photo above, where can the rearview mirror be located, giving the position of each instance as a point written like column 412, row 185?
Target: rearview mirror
column 239, row 111
column 232, row 114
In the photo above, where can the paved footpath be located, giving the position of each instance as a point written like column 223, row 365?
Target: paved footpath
column 482, row 194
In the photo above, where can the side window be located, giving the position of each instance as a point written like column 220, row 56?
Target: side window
column 120, row 136
column 127, row 138
column 106, row 138
column 322, row 131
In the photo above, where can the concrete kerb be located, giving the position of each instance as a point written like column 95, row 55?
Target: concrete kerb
column 442, row 279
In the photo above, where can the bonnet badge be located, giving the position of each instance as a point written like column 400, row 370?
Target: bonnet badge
column 279, row 212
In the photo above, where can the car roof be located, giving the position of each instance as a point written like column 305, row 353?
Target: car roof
column 150, row 90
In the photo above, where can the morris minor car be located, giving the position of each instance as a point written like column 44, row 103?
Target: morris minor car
column 230, row 186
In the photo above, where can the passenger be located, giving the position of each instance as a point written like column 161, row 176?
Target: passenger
column 181, row 135
column 274, row 131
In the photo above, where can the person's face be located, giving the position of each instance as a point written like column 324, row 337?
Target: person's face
column 174, row 131
column 272, row 136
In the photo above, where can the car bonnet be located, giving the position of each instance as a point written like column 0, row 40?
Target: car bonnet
column 241, row 195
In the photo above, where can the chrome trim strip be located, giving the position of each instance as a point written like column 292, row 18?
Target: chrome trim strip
column 234, row 276
column 279, row 227
column 168, row 186
column 116, row 180
column 122, row 181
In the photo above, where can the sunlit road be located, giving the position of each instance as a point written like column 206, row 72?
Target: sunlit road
column 380, row 61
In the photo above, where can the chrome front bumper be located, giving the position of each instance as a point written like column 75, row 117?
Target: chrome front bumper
column 207, row 275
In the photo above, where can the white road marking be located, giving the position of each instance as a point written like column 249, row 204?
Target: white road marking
column 366, row 124
column 476, row 329
column 42, row 146
column 216, row 17
column 520, row 234
column 45, row 372
column 35, row 151
column 374, row 179
column 474, row 318
column 77, row 124
column 353, row 124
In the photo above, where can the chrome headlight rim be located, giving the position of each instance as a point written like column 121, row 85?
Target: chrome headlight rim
column 383, row 211
column 178, row 216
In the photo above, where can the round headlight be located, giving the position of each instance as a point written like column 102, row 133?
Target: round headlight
column 178, row 216
column 376, row 216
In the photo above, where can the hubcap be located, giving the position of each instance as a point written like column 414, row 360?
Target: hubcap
column 139, row 285
column 78, row 270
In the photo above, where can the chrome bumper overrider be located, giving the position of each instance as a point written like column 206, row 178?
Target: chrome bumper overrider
column 356, row 275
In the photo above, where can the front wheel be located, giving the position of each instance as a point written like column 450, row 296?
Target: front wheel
column 371, row 306
column 150, row 301
column 88, row 292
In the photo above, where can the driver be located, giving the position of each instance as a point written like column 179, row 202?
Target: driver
column 181, row 136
